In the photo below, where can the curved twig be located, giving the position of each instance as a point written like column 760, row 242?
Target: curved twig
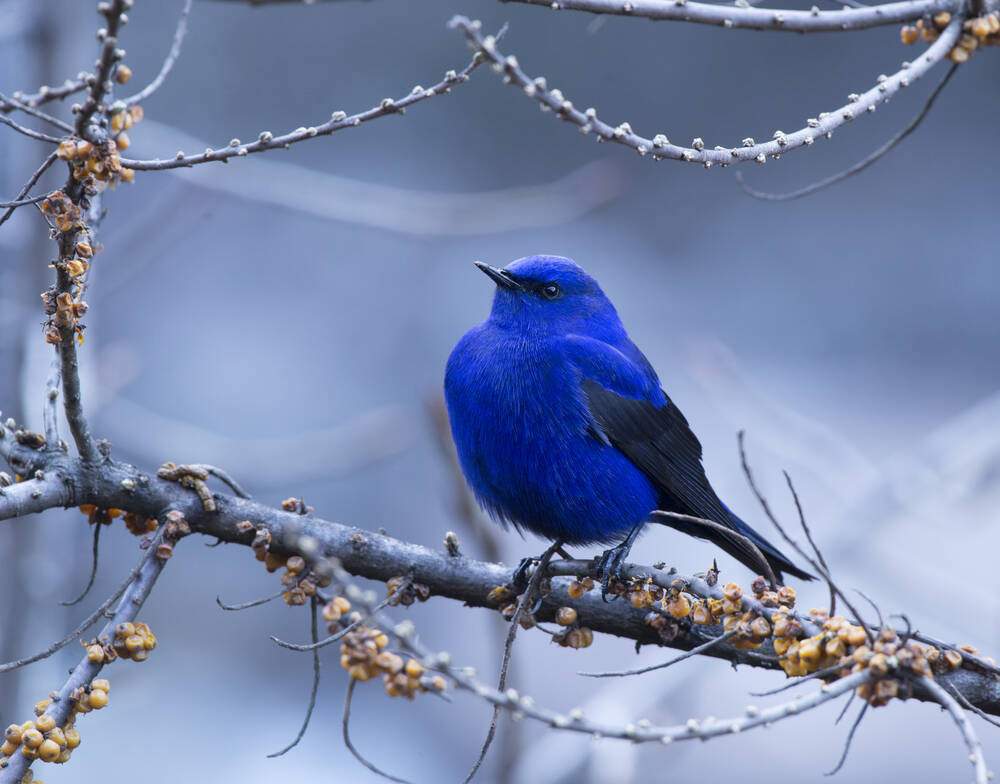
column 168, row 63
column 660, row 148
column 314, row 632
column 251, row 603
column 350, row 746
column 861, row 165
column 11, row 206
column 686, row 655
column 89, row 621
column 93, row 567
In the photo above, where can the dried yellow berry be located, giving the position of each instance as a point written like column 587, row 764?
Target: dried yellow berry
column 72, row 737
column 48, row 751
column 566, row 616
column 123, row 74
column 32, row 739
column 45, row 723
column 575, row 590
column 679, row 606
column 101, row 683
column 414, row 669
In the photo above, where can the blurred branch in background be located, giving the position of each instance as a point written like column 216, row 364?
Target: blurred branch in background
column 422, row 213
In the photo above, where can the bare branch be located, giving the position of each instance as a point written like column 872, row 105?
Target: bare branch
column 11, row 206
column 45, row 94
column 861, row 165
column 168, row 63
column 30, row 132
column 687, row 655
column 93, row 566
column 27, row 109
column 350, row 746
column 68, row 481
column 339, row 121
column 659, row 147
column 132, row 597
column 100, row 83
column 87, row 622
column 813, row 21
column 965, row 727
column 847, row 742
column 251, row 603
column 314, row 632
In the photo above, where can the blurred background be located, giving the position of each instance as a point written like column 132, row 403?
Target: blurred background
column 288, row 317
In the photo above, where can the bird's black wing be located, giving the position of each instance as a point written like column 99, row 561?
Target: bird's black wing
column 659, row 442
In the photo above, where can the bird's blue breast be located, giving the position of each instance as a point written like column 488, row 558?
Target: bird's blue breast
column 528, row 445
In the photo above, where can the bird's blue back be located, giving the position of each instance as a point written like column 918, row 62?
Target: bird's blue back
column 528, row 445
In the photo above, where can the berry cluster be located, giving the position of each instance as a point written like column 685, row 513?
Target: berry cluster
column 981, row 31
column 364, row 654
column 41, row 739
column 403, row 591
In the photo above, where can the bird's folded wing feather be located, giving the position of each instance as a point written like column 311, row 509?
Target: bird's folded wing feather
column 631, row 412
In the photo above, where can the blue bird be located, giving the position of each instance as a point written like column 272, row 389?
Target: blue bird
column 562, row 428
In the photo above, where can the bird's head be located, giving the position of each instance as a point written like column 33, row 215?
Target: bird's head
column 551, row 294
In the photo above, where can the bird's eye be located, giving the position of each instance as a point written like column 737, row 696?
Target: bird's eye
column 551, row 291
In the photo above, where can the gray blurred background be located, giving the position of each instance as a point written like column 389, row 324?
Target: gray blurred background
column 288, row 317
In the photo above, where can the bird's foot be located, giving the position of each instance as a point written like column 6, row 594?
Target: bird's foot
column 519, row 579
column 609, row 567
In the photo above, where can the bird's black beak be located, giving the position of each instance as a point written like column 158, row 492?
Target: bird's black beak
column 501, row 277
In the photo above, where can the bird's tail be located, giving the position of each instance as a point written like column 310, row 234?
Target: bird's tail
column 736, row 545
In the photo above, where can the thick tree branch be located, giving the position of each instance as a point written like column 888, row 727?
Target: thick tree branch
column 69, row 482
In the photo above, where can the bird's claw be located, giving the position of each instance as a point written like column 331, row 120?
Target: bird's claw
column 609, row 567
column 519, row 580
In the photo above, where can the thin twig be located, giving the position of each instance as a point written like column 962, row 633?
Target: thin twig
column 45, row 94
column 686, row 655
column 168, row 63
column 225, row 478
column 847, row 704
column 93, row 567
column 526, row 600
column 30, row 132
column 252, row 603
column 861, row 165
column 965, row 727
column 725, row 531
column 14, row 103
column 134, row 594
column 27, row 187
column 338, row 122
column 314, row 645
column 969, row 706
column 847, row 742
column 824, row 572
column 314, row 632
column 24, row 202
column 88, row 621
column 350, row 746
column 812, row 543
column 831, row 670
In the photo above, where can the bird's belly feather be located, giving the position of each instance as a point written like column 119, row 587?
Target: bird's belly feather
column 529, row 451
